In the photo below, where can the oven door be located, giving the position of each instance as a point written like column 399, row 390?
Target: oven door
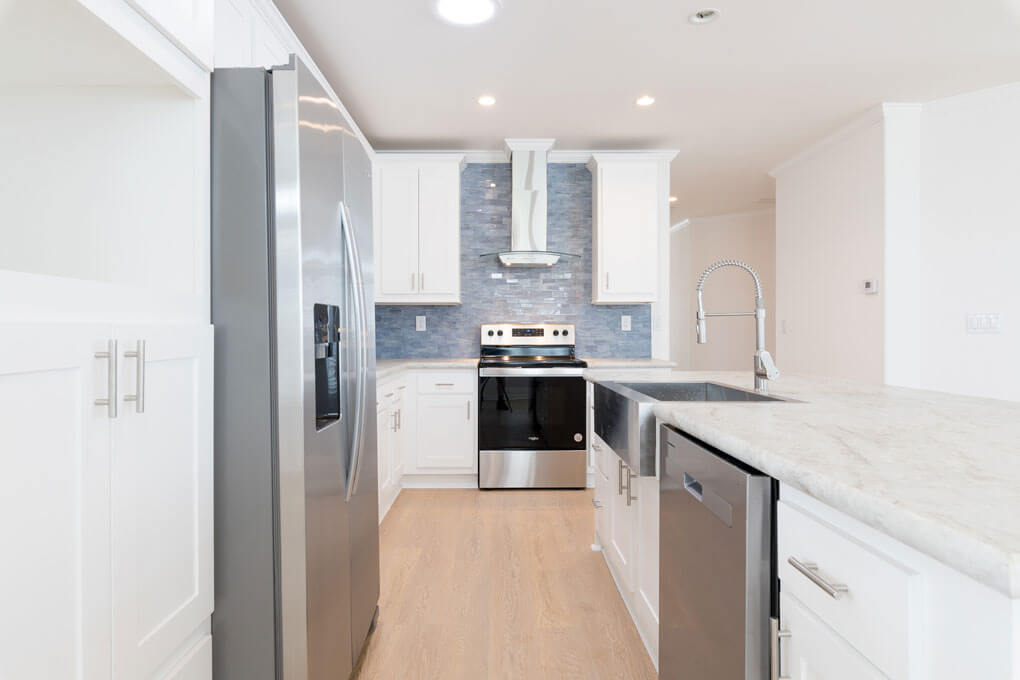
column 531, row 409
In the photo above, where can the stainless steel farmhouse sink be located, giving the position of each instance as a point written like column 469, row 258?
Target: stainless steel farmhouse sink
column 624, row 418
column 695, row 391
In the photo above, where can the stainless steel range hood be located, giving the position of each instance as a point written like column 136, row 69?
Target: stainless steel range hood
column 528, row 212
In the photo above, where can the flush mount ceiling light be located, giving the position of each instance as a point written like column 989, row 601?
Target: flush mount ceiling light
column 487, row 100
column 703, row 16
column 645, row 100
column 466, row 12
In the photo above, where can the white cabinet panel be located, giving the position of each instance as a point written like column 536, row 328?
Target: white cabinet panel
column 813, row 651
column 186, row 23
column 630, row 209
column 161, row 495
column 621, row 550
column 646, row 590
column 445, row 431
column 54, row 467
column 196, row 664
column 439, row 231
column 397, row 247
column 384, row 448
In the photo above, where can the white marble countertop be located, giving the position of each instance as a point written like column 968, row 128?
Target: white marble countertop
column 384, row 368
column 608, row 364
column 938, row 472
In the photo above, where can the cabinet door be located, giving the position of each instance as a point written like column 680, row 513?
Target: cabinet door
column 604, row 502
column 446, row 431
column 397, row 248
column 622, row 538
column 439, row 231
column 813, row 651
column 627, row 214
column 161, row 495
column 646, row 605
column 399, row 444
column 187, row 23
column 385, row 454
column 196, row 664
column 54, row 575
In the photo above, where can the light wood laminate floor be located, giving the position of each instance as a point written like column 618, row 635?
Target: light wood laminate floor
column 498, row 584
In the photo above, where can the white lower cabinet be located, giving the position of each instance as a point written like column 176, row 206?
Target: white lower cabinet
column 862, row 605
column 196, row 663
column 113, row 556
column 628, row 533
column 445, row 429
column 390, row 423
column 813, row 651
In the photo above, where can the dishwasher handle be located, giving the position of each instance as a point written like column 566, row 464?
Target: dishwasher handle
column 715, row 503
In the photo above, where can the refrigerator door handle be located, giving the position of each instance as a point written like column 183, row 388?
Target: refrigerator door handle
column 354, row 267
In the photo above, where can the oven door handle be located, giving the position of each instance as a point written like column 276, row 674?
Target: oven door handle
column 562, row 372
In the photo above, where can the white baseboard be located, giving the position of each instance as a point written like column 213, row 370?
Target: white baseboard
column 468, row 481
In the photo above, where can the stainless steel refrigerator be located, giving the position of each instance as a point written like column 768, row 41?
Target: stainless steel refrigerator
column 296, row 493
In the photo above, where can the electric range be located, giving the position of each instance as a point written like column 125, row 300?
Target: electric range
column 532, row 421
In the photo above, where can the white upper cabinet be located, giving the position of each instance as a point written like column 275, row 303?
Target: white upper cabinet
column 417, row 249
column 630, row 210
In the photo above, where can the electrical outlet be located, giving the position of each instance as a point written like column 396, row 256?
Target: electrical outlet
column 419, row 323
column 624, row 322
column 871, row 287
column 984, row 323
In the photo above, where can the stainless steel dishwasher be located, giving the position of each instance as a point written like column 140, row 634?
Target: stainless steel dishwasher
column 716, row 564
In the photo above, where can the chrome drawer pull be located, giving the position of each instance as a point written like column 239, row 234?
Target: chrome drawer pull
column 810, row 570
column 776, row 634
column 619, row 477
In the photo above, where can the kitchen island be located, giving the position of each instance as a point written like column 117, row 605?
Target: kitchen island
column 935, row 473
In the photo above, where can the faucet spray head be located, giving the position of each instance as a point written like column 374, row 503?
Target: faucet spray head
column 702, row 332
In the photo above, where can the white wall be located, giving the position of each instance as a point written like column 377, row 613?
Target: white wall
column 749, row 237
column 927, row 199
column 970, row 241
column 829, row 239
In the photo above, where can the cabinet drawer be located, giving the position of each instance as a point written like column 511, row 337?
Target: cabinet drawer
column 813, row 651
column 436, row 382
column 875, row 613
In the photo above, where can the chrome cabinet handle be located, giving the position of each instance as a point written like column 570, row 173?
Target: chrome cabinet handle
column 775, row 634
column 444, row 384
column 421, row 281
column 413, row 279
column 619, row 477
column 607, row 280
column 630, row 496
column 810, row 570
column 393, row 421
column 400, row 425
column 110, row 402
column 138, row 354
column 469, row 409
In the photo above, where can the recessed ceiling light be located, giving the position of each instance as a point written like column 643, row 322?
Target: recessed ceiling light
column 487, row 100
column 703, row 16
column 645, row 100
column 672, row 199
column 466, row 12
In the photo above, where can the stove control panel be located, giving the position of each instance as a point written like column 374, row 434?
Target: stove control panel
column 527, row 334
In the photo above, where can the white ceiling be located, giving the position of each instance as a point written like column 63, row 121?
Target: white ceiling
column 735, row 97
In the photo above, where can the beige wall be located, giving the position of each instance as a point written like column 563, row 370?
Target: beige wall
column 749, row 237
column 829, row 239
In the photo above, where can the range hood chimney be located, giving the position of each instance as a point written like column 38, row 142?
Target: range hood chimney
column 528, row 211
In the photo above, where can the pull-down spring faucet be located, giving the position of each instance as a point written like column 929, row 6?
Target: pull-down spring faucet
column 764, row 368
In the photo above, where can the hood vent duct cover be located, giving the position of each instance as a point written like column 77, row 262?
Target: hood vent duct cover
column 528, row 211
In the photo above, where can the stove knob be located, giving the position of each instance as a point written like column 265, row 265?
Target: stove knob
column 491, row 333
column 556, row 332
column 499, row 332
column 566, row 332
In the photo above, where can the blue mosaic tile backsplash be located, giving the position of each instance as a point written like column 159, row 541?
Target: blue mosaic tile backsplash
column 492, row 293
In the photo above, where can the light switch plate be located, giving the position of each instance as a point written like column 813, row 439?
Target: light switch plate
column 624, row 322
column 984, row 323
column 419, row 323
column 871, row 287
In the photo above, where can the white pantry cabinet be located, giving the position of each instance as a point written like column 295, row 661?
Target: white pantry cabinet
column 187, row 23
column 247, row 35
column 112, row 551
column 630, row 211
column 417, row 242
